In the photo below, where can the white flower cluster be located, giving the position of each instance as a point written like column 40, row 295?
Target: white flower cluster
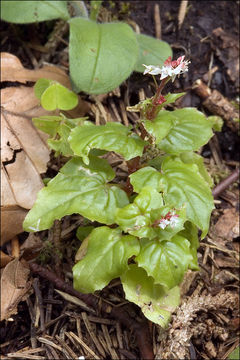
column 170, row 68
column 169, row 219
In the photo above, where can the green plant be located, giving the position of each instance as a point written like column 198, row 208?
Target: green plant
column 148, row 229
column 101, row 56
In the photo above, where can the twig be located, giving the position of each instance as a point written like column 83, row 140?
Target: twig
column 120, row 314
column 182, row 13
column 157, row 19
column 225, row 183
column 39, row 302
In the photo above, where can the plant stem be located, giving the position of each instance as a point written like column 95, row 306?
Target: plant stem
column 95, row 7
column 152, row 112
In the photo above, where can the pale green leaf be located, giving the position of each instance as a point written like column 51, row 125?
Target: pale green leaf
column 101, row 56
column 77, row 188
column 143, row 217
column 61, row 145
column 57, row 96
column 156, row 304
column 23, row 12
column 165, row 261
column 151, row 52
column 112, row 137
column 135, row 218
column 190, row 232
column 40, row 86
column 107, row 257
column 147, row 176
column 48, row 124
column 183, row 184
column 189, row 131
column 160, row 126
column 171, row 98
column 193, row 158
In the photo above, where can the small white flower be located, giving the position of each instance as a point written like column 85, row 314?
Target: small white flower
column 164, row 223
column 173, row 221
column 152, row 70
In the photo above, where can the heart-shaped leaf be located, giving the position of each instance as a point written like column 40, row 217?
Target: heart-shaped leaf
column 190, row 130
column 165, row 261
column 151, row 52
column 147, row 176
column 101, row 56
column 77, row 188
column 112, row 137
column 155, row 303
column 56, row 96
column 107, row 257
column 23, row 12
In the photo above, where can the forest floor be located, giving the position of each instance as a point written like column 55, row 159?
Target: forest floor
column 54, row 325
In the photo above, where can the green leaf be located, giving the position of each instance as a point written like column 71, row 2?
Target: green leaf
column 183, row 184
column 156, row 304
column 57, row 96
column 101, row 56
column 40, row 86
column 48, row 124
column 77, row 188
column 143, row 217
column 61, row 145
column 135, row 218
column 23, row 12
column 147, row 176
column 165, row 261
column 160, row 126
column 193, row 158
column 84, row 231
column 189, row 130
column 151, row 52
column 106, row 259
column 217, row 122
column 112, row 137
column 171, row 98
column 235, row 354
column 190, row 232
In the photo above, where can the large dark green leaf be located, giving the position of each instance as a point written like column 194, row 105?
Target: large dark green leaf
column 165, row 261
column 77, row 188
column 107, row 257
column 155, row 303
column 112, row 137
column 151, row 52
column 23, row 12
column 101, row 56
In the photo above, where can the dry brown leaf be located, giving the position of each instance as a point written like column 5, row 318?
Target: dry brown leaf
column 15, row 285
column 228, row 225
column 13, row 70
column 23, row 158
column 24, row 150
column 5, row 259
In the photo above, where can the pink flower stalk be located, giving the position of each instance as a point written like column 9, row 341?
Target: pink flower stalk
column 161, row 100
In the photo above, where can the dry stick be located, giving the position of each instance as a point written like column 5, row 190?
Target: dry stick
column 140, row 328
column 40, row 303
column 157, row 19
column 226, row 183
